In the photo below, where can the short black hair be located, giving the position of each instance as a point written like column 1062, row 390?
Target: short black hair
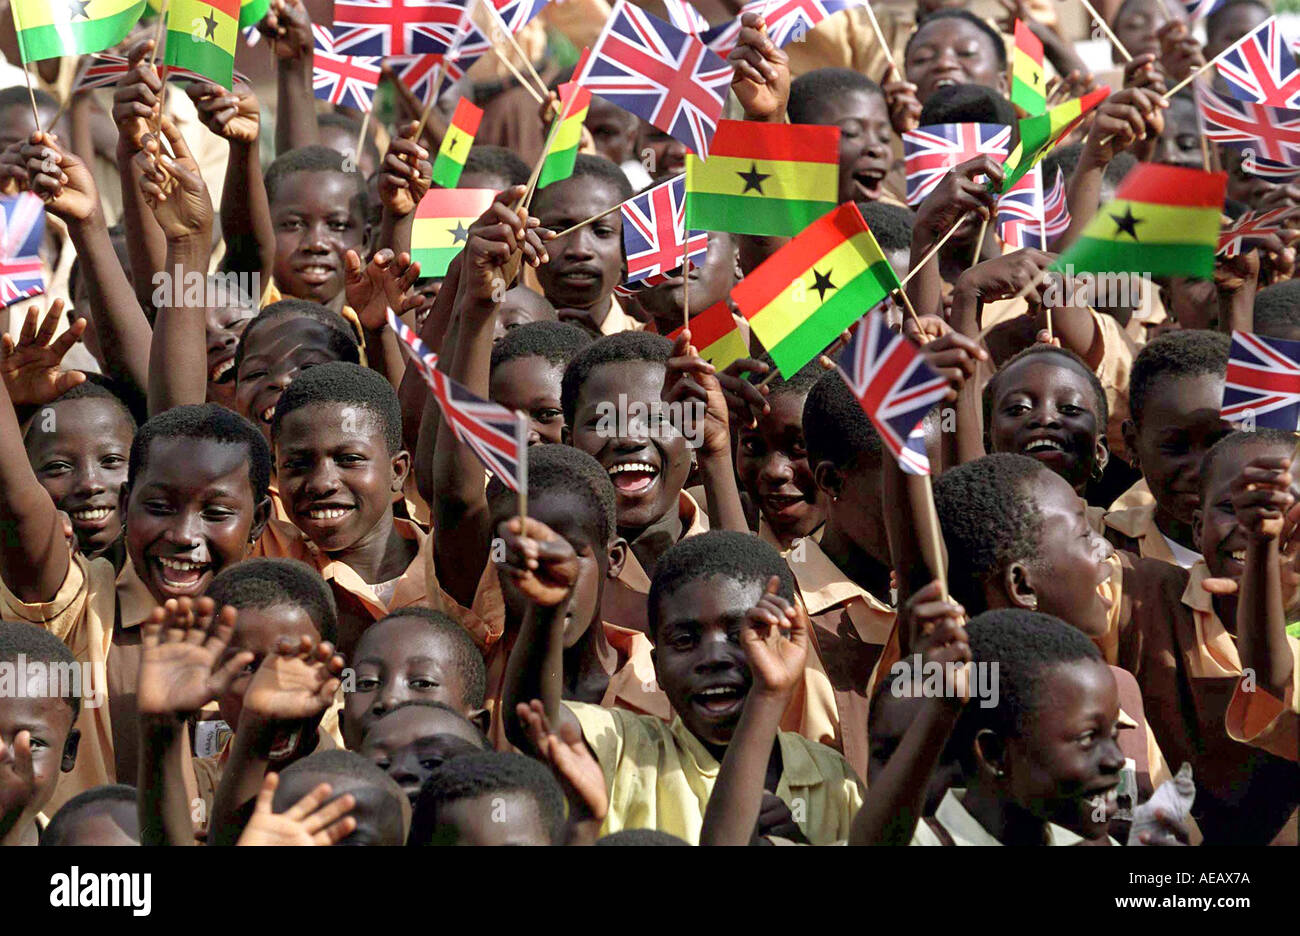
column 1277, row 307
column 835, row 427
column 207, row 421
column 1213, row 20
column 483, row 742
column 1068, row 357
column 595, row 167
column 269, row 583
column 314, row 158
column 351, row 125
column 340, row 763
column 60, row 824
column 342, row 342
column 890, row 224
column 989, row 520
column 1024, row 645
column 483, row 773
column 609, row 349
column 19, row 639
column 18, row 95
column 466, row 657
column 1064, row 158
column 87, row 390
column 555, row 342
column 742, row 557
column 1183, row 353
column 572, row 471
column 1260, row 437
column 497, row 161
column 994, row 37
column 639, row 837
column 967, row 103
column 800, row 383
column 349, row 384
column 811, row 89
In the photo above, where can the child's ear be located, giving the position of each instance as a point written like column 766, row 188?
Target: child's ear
column 1019, row 586
column 481, row 719
column 617, row 557
column 829, row 478
column 70, row 751
column 261, row 513
column 990, row 753
column 401, row 463
column 1103, row 453
column 1130, row 433
column 566, row 434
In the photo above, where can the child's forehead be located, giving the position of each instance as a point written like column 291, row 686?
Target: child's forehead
column 320, row 418
column 709, row 600
column 316, row 189
column 39, row 706
column 96, row 413
column 418, row 725
column 577, row 190
column 1228, row 464
column 949, row 29
column 405, row 638
column 299, row 329
column 195, row 463
column 634, row 379
column 1044, row 371
column 259, row 629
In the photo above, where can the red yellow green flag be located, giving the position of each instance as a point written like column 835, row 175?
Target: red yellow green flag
column 450, row 162
column 1028, row 78
column 54, row 28
column 1039, row 134
column 441, row 227
column 717, row 335
column 563, row 151
column 201, row 36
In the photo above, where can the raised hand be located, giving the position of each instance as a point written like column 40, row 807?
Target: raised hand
column 569, row 758
column 233, row 115
column 406, row 173
column 296, row 682
column 1005, row 276
column 745, row 400
column 13, row 169
column 761, row 78
column 494, row 239
column 1125, row 119
column 937, row 631
column 310, row 821
column 776, row 661
column 1145, row 72
column 540, row 562
column 960, row 192
column 60, row 178
column 138, row 96
column 954, row 356
column 382, row 284
column 1180, row 53
column 288, row 27
column 174, row 188
column 690, row 380
column 904, row 105
column 31, row 367
column 181, row 668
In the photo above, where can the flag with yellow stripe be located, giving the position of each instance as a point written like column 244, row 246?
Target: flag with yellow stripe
column 766, row 179
column 54, row 28
column 201, row 36
column 1163, row 221
column 717, row 335
column 252, row 11
column 450, row 161
column 441, row 226
column 563, row 151
column 1028, row 78
column 1039, row 134
column 814, row 287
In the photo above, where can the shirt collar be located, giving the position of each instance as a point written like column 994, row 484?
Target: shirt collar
column 823, row 585
column 966, row 830
column 694, row 521
column 134, row 602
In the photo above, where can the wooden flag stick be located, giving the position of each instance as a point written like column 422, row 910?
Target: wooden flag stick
column 608, row 211
column 520, row 78
column 929, row 254
column 546, row 150
column 500, row 24
column 929, row 534
column 361, row 137
column 158, row 33
column 686, row 267
column 979, row 242
column 521, row 433
column 31, row 94
column 880, row 37
column 1050, row 335
column 435, row 86
column 1101, row 21
column 911, row 310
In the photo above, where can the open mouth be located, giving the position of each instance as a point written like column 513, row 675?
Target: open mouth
column 779, row 504
column 221, row 370
column 867, row 183
column 327, row 516
column 284, row 744
column 315, row 272
column 267, row 414
column 180, row 574
column 580, row 276
column 633, row 477
column 719, row 700
column 91, row 516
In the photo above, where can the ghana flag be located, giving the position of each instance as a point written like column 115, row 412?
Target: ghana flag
column 201, row 37
column 252, row 11
column 717, row 336
column 54, row 28
column 442, row 223
column 767, row 179
column 563, row 151
column 814, row 287
column 450, row 162
column 1028, row 80
column 1039, row 134
column 1164, row 221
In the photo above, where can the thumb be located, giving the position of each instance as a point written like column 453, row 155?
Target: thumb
column 1219, row 586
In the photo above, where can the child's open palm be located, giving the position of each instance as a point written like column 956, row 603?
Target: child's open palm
column 174, row 188
column 61, row 179
column 569, row 758
column 382, row 284
column 182, row 644
column 692, row 380
column 295, row 682
column 406, row 174
column 540, row 562
column 777, row 661
column 31, row 367
column 310, row 821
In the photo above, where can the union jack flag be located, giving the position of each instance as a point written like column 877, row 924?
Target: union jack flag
column 1020, row 212
column 1056, row 210
column 107, row 69
column 930, row 152
column 661, row 74
column 895, row 385
column 787, row 21
column 653, row 224
column 1272, row 133
column 1199, row 9
column 1259, row 67
column 496, row 435
column 1263, row 382
column 686, row 18
column 350, row 80
column 397, row 27
column 22, row 225
column 1251, row 226
column 517, row 14
column 1265, row 168
column 417, row 72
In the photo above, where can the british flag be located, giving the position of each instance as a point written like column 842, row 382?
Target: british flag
column 106, row 69
column 496, row 435
column 22, row 226
column 1251, row 226
column 787, row 21
column 896, row 387
column 686, row 18
column 1199, row 9
column 1270, row 133
column 350, row 80
column 653, row 224
column 417, row 72
column 1020, row 212
column 930, row 152
column 1056, row 210
column 517, row 14
column 1260, row 68
column 661, row 74
column 397, row 27
column 1263, row 382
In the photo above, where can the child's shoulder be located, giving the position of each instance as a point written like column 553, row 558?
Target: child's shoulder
column 805, row 762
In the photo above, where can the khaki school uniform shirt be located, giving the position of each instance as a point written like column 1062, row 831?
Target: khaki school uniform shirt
column 1138, row 533
column 659, row 776
column 963, row 829
column 1261, row 719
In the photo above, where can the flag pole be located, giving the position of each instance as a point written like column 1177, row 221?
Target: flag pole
column 979, row 242
column 158, row 34
column 686, row 264
column 929, row 254
column 500, row 24
column 550, row 141
column 608, row 211
column 880, row 37
column 1097, row 18
column 911, row 310
column 929, row 534
column 435, row 86
column 365, row 125
column 521, row 439
column 31, row 94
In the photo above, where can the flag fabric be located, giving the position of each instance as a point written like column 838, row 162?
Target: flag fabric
column 450, row 161
column 1163, row 221
column 417, row 71
column 1251, row 226
column 441, row 226
column 1265, row 168
column 766, row 179
column 1271, row 133
column 201, row 36
column 1039, row 134
column 1260, row 67
column 106, row 70
column 930, row 152
column 787, row 21
column 686, row 18
column 398, row 27
column 22, row 226
column 1028, row 77
column 717, row 335
column 895, row 386
column 517, row 14
column 1197, row 10
column 563, row 151
column 54, row 28
column 663, row 75
column 1021, row 213
column 1056, row 210
column 350, row 80
column 1263, row 382
column 801, row 298
column 496, row 435
column 653, row 224
column 252, row 11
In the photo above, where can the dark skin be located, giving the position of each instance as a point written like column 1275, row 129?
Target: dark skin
column 256, row 635
column 772, row 467
column 104, row 824
column 1180, row 141
column 586, row 265
column 1138, row 27
column 378, row 818
column 519, row 307
column 866, row 136
column 890, row 718
column 1232, row 24
column 498, row 819
column 531, row 385
column 952, row 51
column 666, row 154
column 613, row 130
column 710, row 282
column 855, row 537
column 1180, row 422
column 413, row 742
column 317, row 217
column 37, row 743
column 225, row 324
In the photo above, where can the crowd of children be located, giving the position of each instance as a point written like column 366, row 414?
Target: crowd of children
column 257, row 589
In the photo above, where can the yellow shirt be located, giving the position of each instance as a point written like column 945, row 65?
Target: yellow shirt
column 1139, row 523
column 659, row 776
column 1135, row 496
column 964, row 829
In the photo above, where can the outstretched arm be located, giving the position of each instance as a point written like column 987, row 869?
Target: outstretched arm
column 288, row 27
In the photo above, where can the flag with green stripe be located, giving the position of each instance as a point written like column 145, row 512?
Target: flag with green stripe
column 563, row 151
column 717, row 335
column 1039, row 134
column 201, row 37
column 821, row 282
column 441, row 226
column 54, row 28
column 450, row 161
column 252, row 11
column 1028, row 78
column 766, row 179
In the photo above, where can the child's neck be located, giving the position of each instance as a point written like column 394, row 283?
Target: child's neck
column 381, row 554
column 1175, row 529
column 589, row 665
column 1002, row 819
column 1225, row 607
column 651, row 542
column 861, row 567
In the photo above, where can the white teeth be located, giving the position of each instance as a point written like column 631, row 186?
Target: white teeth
column 331, row 514
column 216, row 372
column 1039, row 445
column 632, row 466
column 98, row 513
column 719, row 691
column 268, row 414
column 179, row 565
column 1239, row 555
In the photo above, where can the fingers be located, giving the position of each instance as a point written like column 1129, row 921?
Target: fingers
column 267, row 793
column 309, row 803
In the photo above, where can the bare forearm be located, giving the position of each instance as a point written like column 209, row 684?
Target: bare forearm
column 1083, row 196
column 535, row 670
column 925, row 288
column 737, row 797
column 34, row 553
column 296, row 112
column 146, row 246
column 246, row 214
column 178, row 353
column 725, row 509
column 395, row 232
column 163, row 811
column 1261, row 618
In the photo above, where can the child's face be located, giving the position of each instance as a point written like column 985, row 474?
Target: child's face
column 190, row 514
column 1220, row 539
column 225, row 325
column 82, row 463
column 49, row 720
column 586, row 265
column 400, row 660
column 336, row 476
column 1180, row 143
column 890, row 718
column 1137, row 27
column 258, row 631
column 1231, row 24
column 317, row 217
column 531, row 384
column 519, row 307
column 865, row 139
column 698, row 658
column 613, row 130
column 1243, row 186
column 772, row 464
column 275, row 353
column 667, row 154
column 108, row 822
column 851, row 498
column 501, row 818
column 342, row 140
column 1180, row 421
column 413, row 742
column 1068, row 755
column 952, row 51
column 648, row 468
column 1045, row 408
column 17, row 123
column 483, row 180
column 711, row 282
column 379, row 819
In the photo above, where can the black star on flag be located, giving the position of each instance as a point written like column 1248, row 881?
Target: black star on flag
column 459, row 233
column 822, row 283
column 753, row 179
column 1127, row 224
column 77, row 8
column 210, row 22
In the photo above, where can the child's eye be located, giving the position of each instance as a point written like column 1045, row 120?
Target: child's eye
column 681, row 641
column 383, row 763
column 340, row 225
column 422, row 683
column 157, row 507
column 112, row 461
column 1072, row 410
column 351, row 459
column 751, row 447
column 547, row 416
column 56, row 468
column 367, row 684
column 217, row 514
column 252, row 375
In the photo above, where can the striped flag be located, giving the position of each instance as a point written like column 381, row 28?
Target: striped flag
column 350, row 80
column 1261, row 68
column 22, row 226
column 441, row 227
column 1056, row 210
column 1263, row 382
column 1197, row 10
column 107, row 69
column 1251, row 226
column 1270, row 136
column 54, row 28
column 931, row 152
column 201, row 36
column 686, row 18
column 450, row 161
column 1020, row 212
column 1039, row 134
column 1028, row 77
column 717, row 335
column 563, row 151
column 653, row 227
